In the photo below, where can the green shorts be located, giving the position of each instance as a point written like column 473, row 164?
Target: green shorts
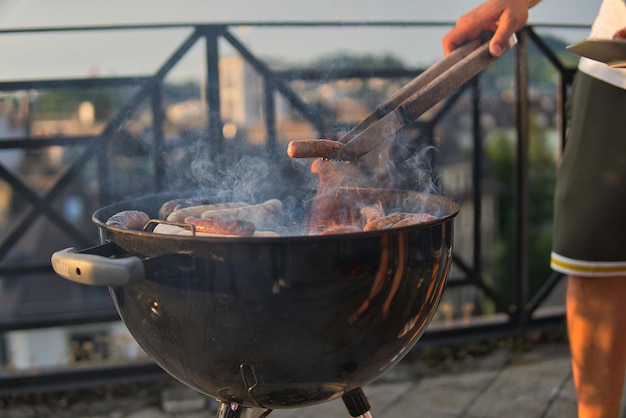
column 590, row 197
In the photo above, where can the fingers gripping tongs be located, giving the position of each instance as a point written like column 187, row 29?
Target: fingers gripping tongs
column 405, row 105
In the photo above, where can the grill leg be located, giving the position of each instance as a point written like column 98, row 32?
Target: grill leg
column 229, row 410
column 357, row 403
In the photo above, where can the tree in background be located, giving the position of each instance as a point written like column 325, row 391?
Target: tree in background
column 501, row 149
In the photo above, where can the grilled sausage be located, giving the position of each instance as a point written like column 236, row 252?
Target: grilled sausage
column 417, row 218
column 129, row 219
column 179, row 215
column 175, row 204
column 312, row 148
column 369, row 213
column 341, row 230
column 392, row 220
column 213, row 226
column 256, row 214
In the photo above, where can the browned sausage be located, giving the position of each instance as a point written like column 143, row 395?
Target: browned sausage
column 312, row 148
column 417, row 218
column 392, row 220
column 257, row 214
column 179, row 215
column 175, row 204
column 212, row 226
column 369, row 213
column 348, row 229
column 384, row 221
column 129, row 219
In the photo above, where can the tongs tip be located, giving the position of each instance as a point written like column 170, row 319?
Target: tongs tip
column 315, row 148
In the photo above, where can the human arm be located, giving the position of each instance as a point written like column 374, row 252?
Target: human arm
column 503, row 17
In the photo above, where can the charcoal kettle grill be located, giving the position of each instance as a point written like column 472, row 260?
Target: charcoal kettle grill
column 273, row 322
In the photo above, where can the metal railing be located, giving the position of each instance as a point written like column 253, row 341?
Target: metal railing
column 514, row 319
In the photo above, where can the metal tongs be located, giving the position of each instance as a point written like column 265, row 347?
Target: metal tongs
column 415, row 98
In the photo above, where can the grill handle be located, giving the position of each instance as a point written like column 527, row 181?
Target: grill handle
column 90, row 267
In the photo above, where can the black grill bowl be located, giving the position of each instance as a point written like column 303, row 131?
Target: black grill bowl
column 279, row 322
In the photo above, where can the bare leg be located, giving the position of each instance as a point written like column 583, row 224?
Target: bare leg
column 596, row 320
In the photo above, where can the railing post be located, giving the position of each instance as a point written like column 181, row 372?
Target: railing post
column 102, row 159
column 158, row 119
column 214, row 128
column 477, row 169
column 520, row 271
column 269, row 107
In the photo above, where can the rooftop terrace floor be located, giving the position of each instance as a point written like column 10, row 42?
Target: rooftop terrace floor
column 504, row 380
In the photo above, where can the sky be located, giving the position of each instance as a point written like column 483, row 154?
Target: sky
column 112, row 53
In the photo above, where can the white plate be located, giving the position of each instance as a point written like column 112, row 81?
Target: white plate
column 609, row 51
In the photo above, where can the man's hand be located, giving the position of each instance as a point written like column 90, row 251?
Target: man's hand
column 503, row 17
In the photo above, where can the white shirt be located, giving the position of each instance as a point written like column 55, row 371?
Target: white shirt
column 611, row 17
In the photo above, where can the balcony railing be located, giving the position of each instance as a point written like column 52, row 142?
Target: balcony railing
column 39, row 213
